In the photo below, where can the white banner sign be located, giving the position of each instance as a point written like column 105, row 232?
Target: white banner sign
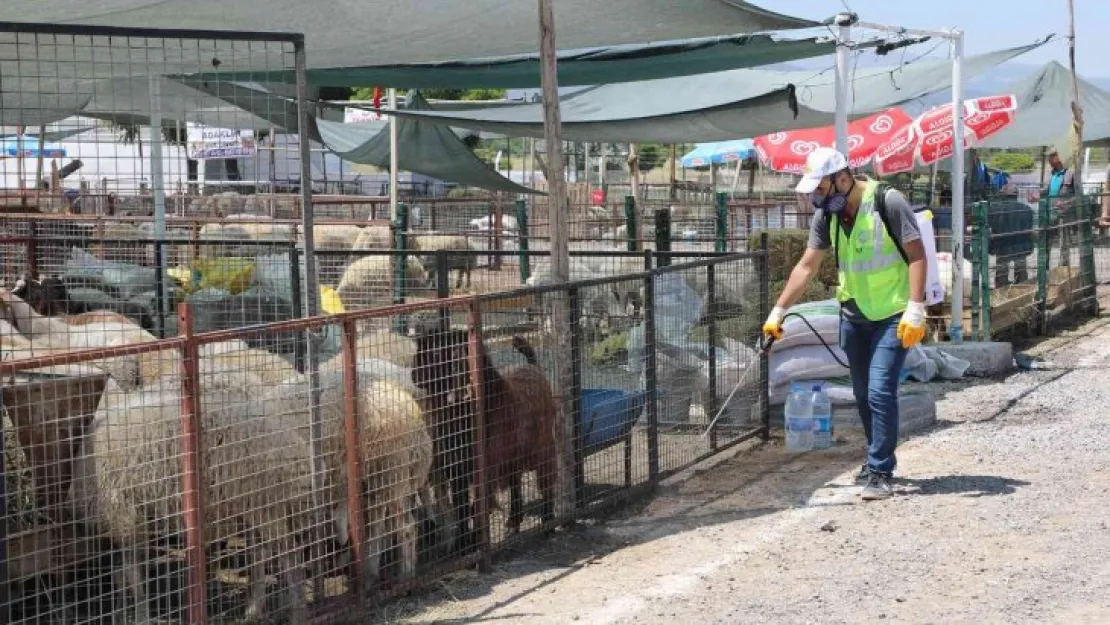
column 358, row 115
column 204, row 142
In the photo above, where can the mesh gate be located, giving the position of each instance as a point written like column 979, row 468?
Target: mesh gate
column 139, row 174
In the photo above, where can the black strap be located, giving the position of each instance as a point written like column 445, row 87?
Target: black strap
column 880, row 208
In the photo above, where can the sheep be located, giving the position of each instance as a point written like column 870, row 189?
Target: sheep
column 463, row 263
column 374, row 238
column 49, row 296
column 49, row 334
column 387, row 346
column 519, row 418
column 258, row 481
column 249, row 228
column 370, row 279
column 229, row 363
column 117, row 250
column 508, row 223
column 395, row 455
column 333, row 237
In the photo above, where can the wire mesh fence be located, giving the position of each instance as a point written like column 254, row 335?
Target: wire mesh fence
column 210, row 476
column 1033, row 264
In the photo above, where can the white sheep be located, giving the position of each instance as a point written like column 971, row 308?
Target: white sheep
column 258, row 478
column 463, row 263
column 335, row 236
column 388, row 346
column 374, row 237
column 508, row 223
column 45, row 335
column 395, row 457
column 228, row 363
column 369, row 280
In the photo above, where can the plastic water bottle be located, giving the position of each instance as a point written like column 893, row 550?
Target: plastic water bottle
column 821, row 409
column 799, row 418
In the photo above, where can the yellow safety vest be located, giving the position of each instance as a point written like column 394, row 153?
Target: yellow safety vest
column 870, row 268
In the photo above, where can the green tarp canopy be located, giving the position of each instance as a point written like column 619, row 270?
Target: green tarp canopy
column 593, row 66
column 717, row 106
column 1044, row 110
column 429, row 149
column 357, row 33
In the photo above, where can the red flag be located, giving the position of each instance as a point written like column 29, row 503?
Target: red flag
column 377, row 97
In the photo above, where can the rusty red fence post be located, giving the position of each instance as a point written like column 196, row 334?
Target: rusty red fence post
column 478, row 388
column 193, row 457
column 355, row 505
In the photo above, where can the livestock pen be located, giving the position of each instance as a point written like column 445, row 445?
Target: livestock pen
column 188, row 461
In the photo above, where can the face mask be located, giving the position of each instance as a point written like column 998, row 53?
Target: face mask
column 834, row 202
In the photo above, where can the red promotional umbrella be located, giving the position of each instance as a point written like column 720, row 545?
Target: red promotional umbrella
column 786, row 151
column 929, row 138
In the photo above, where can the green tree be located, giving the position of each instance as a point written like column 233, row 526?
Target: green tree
column 651, row 156
column 1011, row 161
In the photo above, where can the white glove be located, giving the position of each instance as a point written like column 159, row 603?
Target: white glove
column 772, row 328
column 911, row 329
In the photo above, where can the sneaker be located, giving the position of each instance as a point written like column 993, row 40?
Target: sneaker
column 864, row 473
column 878, row 487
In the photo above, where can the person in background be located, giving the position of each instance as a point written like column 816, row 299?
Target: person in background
column 1104, row 220
column 881, row 294
column 1061, row 185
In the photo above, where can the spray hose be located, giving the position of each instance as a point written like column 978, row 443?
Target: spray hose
column 765, row 343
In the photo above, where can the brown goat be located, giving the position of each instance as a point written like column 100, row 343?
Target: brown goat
column 519, row 415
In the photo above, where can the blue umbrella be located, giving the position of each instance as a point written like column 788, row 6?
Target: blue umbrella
column 720, row 152
column 30, row 147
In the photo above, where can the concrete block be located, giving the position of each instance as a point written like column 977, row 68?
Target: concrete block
column 917, row 411
column 986, row 358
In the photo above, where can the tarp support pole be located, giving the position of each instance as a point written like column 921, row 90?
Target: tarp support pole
column 157, row 180
column 560, row 261
column 394, row 177
column 956, row 332
column 843, row 81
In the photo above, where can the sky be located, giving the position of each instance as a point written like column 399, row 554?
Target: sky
column 987, row 24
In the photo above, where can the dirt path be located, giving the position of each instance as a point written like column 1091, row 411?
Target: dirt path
column 1001, row 516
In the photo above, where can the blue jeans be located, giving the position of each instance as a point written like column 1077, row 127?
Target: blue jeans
column 875, row 355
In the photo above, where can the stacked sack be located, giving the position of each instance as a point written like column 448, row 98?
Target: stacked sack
column 801, row 355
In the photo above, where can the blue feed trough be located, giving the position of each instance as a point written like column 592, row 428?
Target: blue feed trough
column 607, row 416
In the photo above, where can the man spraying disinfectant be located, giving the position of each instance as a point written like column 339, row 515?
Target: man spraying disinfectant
column 881, row 268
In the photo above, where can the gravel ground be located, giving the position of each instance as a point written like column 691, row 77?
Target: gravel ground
column 999, row 518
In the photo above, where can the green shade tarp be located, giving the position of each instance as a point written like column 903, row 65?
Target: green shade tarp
column 356, row 33
column 717, row 106
column 593, row 66
column 1044, row 110
column 429, row 149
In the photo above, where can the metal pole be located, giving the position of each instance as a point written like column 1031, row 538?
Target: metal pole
column 843, row 81
column 157, row 178
column 394, row 177
column 560, row 257
column 957, row 329
column 311, row 292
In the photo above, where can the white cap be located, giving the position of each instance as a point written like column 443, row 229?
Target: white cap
column 820, row 163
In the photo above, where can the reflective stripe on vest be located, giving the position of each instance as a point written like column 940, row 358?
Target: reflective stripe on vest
column 872, row 271
column 875, row 263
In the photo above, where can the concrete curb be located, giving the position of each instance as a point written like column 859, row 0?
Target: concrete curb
column 987, row 358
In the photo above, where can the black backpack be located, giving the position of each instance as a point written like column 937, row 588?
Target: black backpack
column 880, row 208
